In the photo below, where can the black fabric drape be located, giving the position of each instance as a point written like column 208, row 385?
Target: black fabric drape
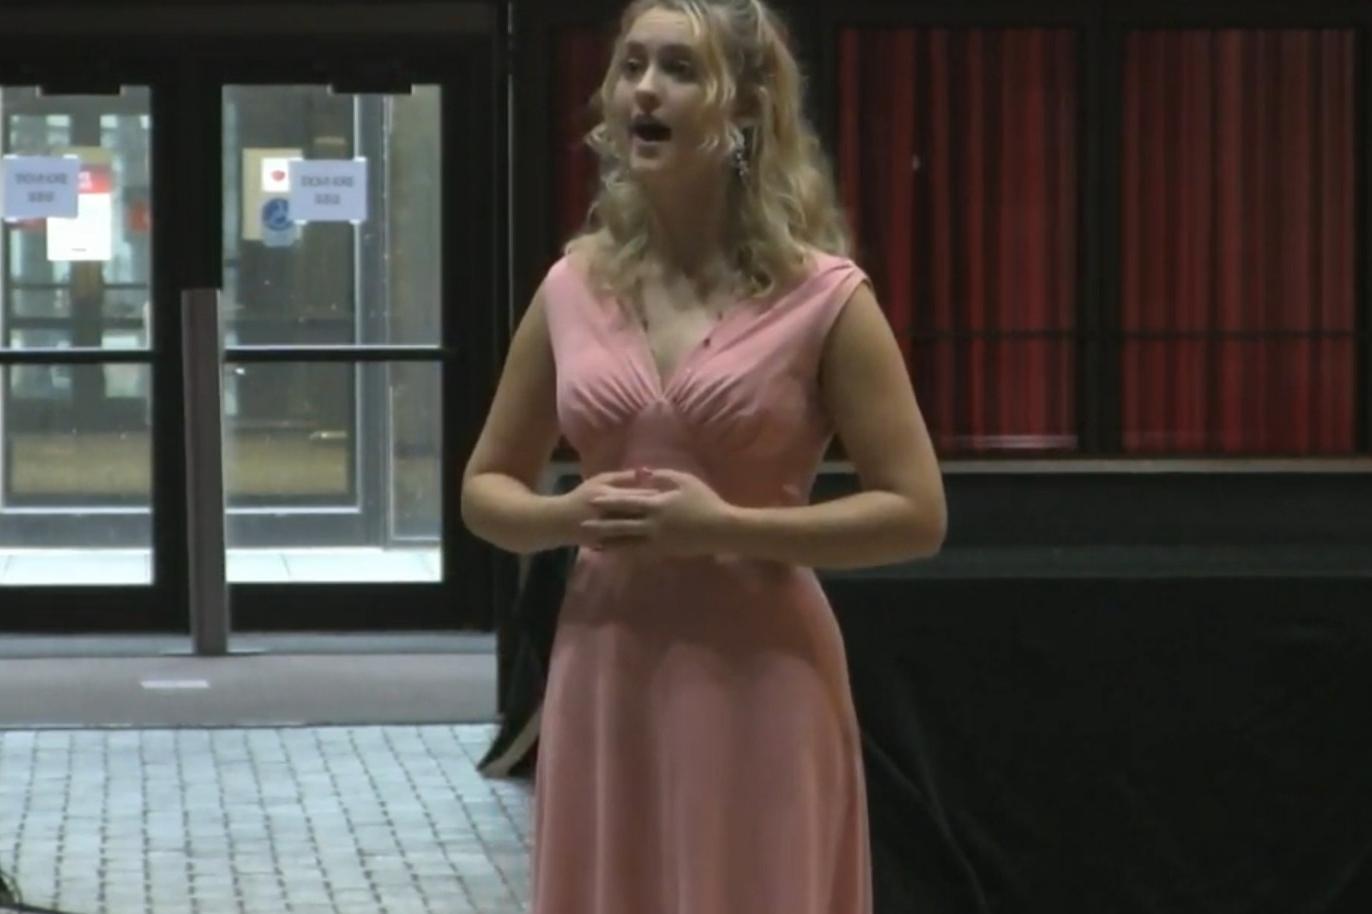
column 525, row 640
column 1094, row 746
column 1113, row 746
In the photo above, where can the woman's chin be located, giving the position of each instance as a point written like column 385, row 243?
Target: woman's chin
column 662, row 172
column 648, row 169
column 647, row 158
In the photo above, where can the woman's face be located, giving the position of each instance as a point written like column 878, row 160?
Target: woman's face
column 659, row 99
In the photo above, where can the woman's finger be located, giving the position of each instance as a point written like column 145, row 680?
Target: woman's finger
column 620, row 478
column 673, row 477
column 615, row 491
column 615, row 528
column 632, row 503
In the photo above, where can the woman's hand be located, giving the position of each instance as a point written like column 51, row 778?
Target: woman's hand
column 666, row 513
column 581, row 506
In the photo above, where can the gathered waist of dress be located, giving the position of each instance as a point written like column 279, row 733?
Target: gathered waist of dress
column 630, row 561
column 746, row 598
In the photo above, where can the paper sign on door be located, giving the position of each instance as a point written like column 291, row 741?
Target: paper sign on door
column 265, row 177
column 89, row 235
column 37, row 187
column 328, row 190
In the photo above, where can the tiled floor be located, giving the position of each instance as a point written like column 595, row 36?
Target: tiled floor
column 134, row 566
column 307, row 820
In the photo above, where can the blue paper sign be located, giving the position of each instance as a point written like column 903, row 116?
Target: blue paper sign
column 278, row 228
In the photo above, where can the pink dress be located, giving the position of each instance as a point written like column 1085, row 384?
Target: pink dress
column 698, row 752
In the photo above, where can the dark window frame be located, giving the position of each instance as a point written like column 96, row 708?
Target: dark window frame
column 187, row 53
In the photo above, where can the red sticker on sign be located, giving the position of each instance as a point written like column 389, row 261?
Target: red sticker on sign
column 94, row 179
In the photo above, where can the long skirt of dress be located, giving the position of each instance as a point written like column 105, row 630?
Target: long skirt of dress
column 698, row 750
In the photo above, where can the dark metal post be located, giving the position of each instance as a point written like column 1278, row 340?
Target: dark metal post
column 204, row 360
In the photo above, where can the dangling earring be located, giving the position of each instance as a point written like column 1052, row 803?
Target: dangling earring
column 741, row 163
column 741, row 152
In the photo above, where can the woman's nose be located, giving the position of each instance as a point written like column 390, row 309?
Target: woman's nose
column 646, row 89
column 646, row 101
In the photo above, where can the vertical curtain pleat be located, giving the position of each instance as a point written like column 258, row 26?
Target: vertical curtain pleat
column 957, row 160
column 580, row 56
column 1237, row 277
column 957, row 166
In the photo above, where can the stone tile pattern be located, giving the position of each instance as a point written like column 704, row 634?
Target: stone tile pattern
column 304, row 820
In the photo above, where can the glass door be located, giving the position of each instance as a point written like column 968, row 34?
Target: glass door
column 77, row 357
column 332, row 388
column 358, row 292
column 75, row 416
column 340, row 194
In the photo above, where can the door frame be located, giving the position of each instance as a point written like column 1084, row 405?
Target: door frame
column 186, row 54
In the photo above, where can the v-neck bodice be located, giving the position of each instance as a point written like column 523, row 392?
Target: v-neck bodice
column 741, row 408
column 664, row 376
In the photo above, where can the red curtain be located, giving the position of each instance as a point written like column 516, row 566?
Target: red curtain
column 580, row 57
column 1237, row 291
column 957, row 163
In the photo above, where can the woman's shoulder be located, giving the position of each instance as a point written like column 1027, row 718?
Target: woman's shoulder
column 570, row 296
column 828, row 283
column 823, row 274
column 573, row 268
column 565, row 278
column 560, row 273
column 828, row 264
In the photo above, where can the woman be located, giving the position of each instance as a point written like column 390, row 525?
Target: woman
column 698, row 345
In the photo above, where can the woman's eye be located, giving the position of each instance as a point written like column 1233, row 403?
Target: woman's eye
column 679, row 69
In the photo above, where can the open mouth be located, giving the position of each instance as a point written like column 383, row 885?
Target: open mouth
column 650, row 130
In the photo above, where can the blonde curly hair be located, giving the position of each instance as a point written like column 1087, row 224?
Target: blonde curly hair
column 784, row 206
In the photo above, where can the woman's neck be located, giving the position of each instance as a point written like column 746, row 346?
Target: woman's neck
column 690, row 233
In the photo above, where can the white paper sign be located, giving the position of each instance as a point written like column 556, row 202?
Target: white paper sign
column 266, row 174
column 276, row 175
column 87, row 237
column 37, row 187
column 328, row 190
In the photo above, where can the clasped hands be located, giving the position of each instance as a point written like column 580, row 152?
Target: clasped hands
column 652, row 511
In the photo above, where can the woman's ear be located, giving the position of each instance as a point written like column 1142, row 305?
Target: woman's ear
column 746, row 105
column 746, row 125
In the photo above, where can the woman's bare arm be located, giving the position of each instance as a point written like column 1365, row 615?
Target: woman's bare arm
column 901, row 511
column 500, row 502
